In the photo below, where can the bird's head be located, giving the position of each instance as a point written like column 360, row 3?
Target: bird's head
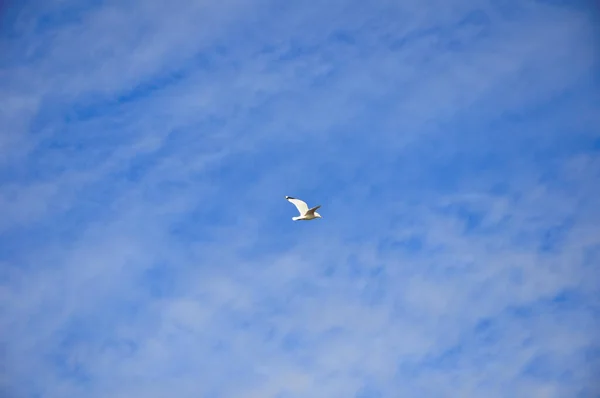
column 317, row 215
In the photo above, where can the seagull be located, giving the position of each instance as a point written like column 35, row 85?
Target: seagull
column 305, row 212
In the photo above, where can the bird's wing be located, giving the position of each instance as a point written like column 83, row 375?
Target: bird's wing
column 300, row 204
column 312, row 211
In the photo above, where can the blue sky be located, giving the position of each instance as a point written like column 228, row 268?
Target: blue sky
column 147, row 250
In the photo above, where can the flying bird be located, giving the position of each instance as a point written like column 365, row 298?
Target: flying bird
column 305, row 212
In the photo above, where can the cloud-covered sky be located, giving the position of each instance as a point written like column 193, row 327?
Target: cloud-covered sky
column 147, row 250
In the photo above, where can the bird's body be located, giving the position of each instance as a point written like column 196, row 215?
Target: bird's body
column 305, row 212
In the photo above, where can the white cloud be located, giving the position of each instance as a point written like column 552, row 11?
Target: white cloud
column 149, row 252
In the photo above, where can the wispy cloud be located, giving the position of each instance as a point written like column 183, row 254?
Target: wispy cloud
column 146, row 248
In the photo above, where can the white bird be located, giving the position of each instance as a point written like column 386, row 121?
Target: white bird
column 305, row 212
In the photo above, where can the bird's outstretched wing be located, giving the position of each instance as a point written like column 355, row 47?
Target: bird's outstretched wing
column 312, row 211
column 300, row 204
